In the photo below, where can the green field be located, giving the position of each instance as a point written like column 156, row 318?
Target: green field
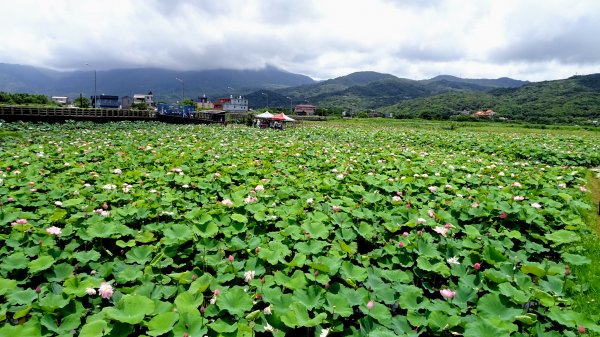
column 341, row 228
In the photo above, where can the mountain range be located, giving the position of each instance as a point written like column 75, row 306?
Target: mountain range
column 441, row 97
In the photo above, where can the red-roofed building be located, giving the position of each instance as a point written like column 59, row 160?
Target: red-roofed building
column 305, row 109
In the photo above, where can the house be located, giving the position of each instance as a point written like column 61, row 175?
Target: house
column 230, row 104
column 126, row 102
column 105, row 101
column 488, row 113
column 60, row 100
column 305, row 109
column 204, row 104
column 238, row 105
column 144, row 99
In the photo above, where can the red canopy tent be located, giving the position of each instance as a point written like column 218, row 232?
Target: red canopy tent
column 282, row 117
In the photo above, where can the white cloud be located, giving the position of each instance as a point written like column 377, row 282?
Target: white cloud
column 529, row 39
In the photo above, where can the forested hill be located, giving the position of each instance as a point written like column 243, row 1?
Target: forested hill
column 576, row 99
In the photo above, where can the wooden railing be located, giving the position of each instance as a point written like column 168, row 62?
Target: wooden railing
column 31, row 112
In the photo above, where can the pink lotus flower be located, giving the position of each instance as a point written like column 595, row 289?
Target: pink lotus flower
column 447, row 293
column 230, row 258
column 405, row 234
column 217, row 174
column 336, row 208
column 105, row 290
column 54, row 230
column 431, row 213
column 249, row 275
column 216, row 292
column 370, row 305
column 477, row 265
column 518, row 198
column 259, row 188
column 536, row 205
column 400, row 244
column 227, row 202
column 582, row 189
column 396, row 198
column 503, row 215
column 117, row 171
column 420, row 220
column 90, row 291
column 432, row 188
column 516, row 184
column 441, row 230
column 21, row 221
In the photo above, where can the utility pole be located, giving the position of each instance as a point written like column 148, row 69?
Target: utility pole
column 95, row 93
column 290, row 104
column 182, row 89
column 267, row 99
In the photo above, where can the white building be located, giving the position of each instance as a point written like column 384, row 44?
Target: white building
column 238, row 104
column 61, row 100
column 144, row 98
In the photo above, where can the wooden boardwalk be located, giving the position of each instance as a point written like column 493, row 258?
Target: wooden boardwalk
column 47, row 114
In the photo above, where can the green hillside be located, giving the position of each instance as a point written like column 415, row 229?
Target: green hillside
column 575, row 99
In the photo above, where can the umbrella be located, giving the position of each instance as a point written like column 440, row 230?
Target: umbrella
column 265, row 115
column 282, row 117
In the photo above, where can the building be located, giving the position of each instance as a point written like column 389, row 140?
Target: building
column 105, row 101
column 305, row 109
column 147, row 99
column 60, row 100
column 204, row 104
column 126, row 102
column 488, row 113
column 237, row 105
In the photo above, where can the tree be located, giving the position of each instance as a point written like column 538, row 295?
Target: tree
column 81, row 102
column 189, row 102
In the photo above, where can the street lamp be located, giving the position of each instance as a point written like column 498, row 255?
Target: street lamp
column 267, row 99
column 290, row 104
column 95, row 95
column 182, row 89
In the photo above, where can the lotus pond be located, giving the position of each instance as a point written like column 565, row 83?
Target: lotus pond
column 133, row 229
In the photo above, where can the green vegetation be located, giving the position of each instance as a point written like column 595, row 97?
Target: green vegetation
column 574, row 100
column 82, row 102
column 7, row 98
column 366, row 227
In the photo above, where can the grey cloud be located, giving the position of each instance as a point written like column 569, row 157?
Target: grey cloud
column 575, row 44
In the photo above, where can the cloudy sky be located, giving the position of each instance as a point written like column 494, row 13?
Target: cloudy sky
column 523, row 39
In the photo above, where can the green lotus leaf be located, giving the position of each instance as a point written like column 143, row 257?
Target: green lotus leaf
column 236, row 301
column 162, row 323
column 177, row 234
column 22, row 297
column 131, row 309
column 189, row 302
column 7, row 285
column 439, row 321
column 31, row 328
column 562, row 236
column 85, row 257
column 191, row 323
column 297, row 316
column 348, row 270
column 221, row 326
column 311, row 297
column 93, row 329
column 207, row 229
column 50, row 302
column 536, row 269
column 491, row 306
column 575, row 260
column 338, row 304
column 139, row 255
column 17, row 260
column 239, row 218
column 41, row 263
column 508, row 290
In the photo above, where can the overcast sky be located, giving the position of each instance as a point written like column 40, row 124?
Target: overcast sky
column 523, row 39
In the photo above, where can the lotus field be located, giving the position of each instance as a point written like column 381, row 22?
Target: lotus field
column 135, row 229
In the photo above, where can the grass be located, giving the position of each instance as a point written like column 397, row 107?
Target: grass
column 587, row 301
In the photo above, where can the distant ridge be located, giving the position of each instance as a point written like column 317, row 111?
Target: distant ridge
column 162, row 82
